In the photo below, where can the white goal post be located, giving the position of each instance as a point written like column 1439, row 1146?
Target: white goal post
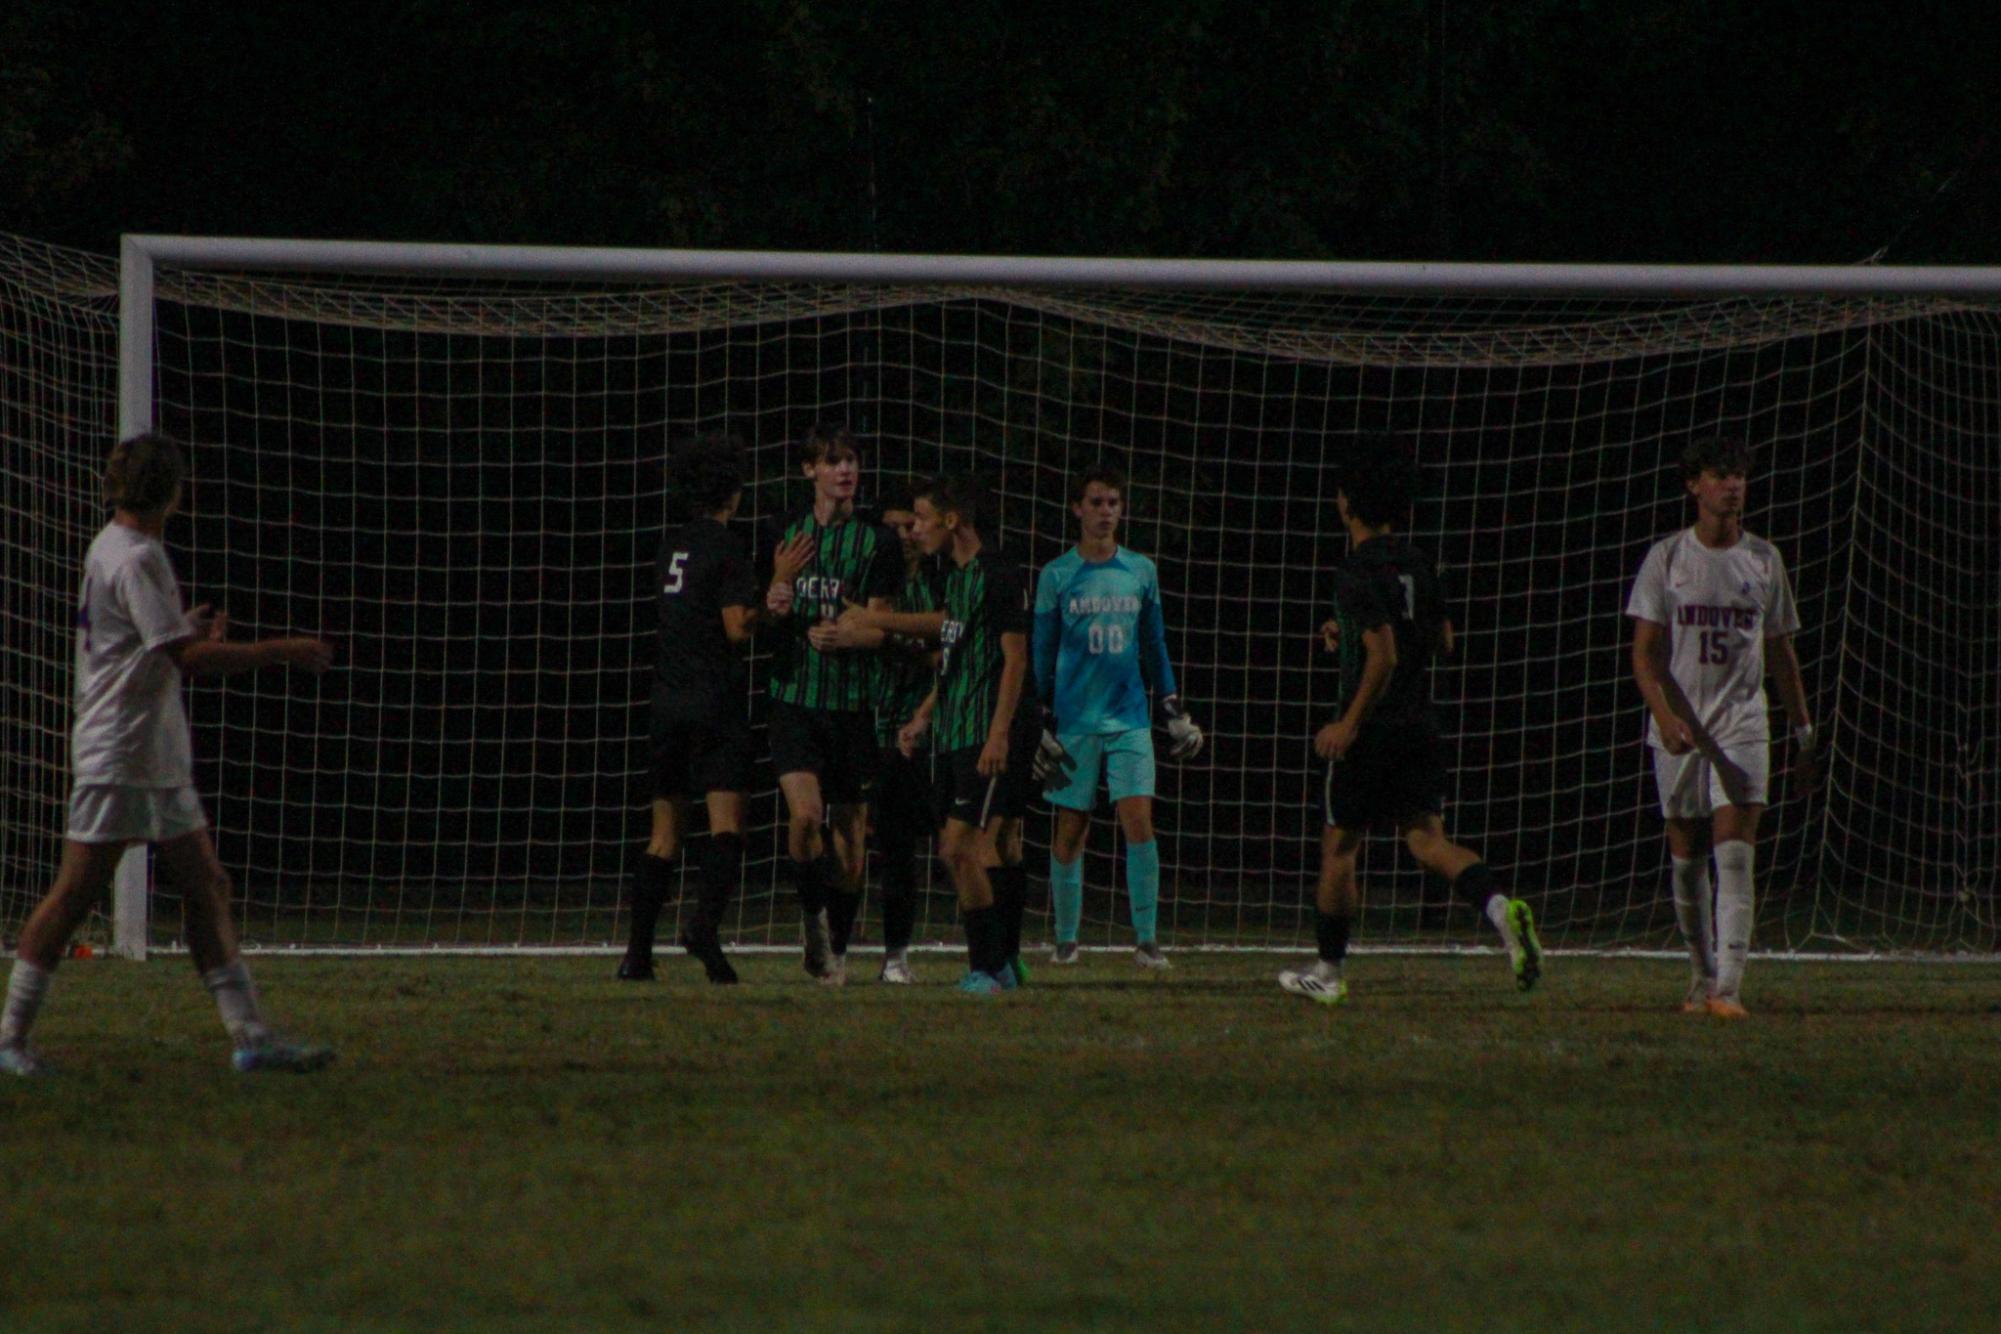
column 1547, row 405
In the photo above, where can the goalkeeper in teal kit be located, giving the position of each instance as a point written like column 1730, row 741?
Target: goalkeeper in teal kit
column 1100, row 643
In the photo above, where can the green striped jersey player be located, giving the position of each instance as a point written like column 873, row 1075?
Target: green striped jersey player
column 1100, row 644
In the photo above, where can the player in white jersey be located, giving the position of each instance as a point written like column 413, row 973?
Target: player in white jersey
column 1100, row 644
column 1712, row 611
column 130, row 760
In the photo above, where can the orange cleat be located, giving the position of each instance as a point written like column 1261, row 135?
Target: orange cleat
column 1720, row 1007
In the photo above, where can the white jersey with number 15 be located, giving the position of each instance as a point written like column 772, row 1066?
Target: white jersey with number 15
column 1719, row 607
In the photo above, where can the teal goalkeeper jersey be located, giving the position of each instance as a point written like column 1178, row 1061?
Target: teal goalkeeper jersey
column 1099, row 640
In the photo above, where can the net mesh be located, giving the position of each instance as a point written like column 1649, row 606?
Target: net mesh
column 460, row 482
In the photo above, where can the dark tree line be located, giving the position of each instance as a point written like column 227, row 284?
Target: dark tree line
column 1495, row 129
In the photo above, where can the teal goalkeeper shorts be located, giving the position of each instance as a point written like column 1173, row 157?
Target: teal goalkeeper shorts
column 1126, row 758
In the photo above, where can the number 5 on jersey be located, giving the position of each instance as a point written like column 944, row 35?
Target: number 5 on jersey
column 674, row 573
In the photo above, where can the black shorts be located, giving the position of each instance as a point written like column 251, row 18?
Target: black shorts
column 694, row 754
column 905, row 810
column 978, row 799
column 1389, row 776
column 838, row 746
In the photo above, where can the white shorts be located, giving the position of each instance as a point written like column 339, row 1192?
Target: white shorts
column 106, row 813
column 1691, row 789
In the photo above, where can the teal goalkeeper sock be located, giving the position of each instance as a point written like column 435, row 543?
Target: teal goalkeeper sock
column 1066, row 894
column 1143, row 884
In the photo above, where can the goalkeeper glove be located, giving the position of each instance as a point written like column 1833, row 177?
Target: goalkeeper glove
column 1053, row 763
column 1185, row 737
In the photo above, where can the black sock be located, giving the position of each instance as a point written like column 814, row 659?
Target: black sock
column 1011, row 901
column 808, row 879
column 843, row 906
column 720, row 875
column 1332, row 933
column 983, row 940
column 1476, row 885
column 899, row 901
column 649, row 895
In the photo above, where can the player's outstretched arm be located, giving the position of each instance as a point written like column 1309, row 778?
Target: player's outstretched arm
column 928, row 626
column 208, row 651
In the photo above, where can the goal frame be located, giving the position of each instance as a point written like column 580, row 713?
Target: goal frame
column 140, row 255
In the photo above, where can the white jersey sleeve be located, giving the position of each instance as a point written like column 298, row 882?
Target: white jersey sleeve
column 131, row 728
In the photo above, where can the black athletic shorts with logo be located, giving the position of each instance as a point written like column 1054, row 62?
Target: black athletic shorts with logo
column 696, row 752
column 838, row 745
column 977, row 798
column 1388, row 776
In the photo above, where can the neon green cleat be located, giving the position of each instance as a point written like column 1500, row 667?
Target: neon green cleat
column 1524, row 951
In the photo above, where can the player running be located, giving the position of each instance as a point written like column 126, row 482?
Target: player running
column 982, row 714
column 1711, row 604
column 131, row 763
column 699, row 740
column 1385, row 762
column 904, row 671
column 822, row 705
column 1100, row 643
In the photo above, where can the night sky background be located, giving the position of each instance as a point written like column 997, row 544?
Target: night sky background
column 458, row 508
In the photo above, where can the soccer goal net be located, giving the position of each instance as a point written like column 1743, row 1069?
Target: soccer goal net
column 449, row 461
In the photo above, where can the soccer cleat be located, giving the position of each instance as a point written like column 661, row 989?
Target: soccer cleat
column 980, row 984
column 1697, row 1000
column 1066, row 953
column 1148, row 955
column 635, row 970
column 819, row 947
column 17, row 1060
column 1314, row 986
column 1008, row 981
column 276, row 1053
column 1723, row 1007
column 1525, row 950
column 708, row 948
column 1017, row 968
column 896, row 971
column 836, row 974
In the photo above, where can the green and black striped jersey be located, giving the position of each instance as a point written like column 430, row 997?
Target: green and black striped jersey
column 854, row 559
column 902, row 677
column 984, row 599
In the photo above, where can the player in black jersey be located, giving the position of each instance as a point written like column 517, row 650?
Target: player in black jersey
column 822, row 699
column 904, row 669
column 984, row 722
column 700, row 742
column 1385, row 758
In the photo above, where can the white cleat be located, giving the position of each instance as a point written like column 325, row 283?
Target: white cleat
column 1149, row 956
column 896, row 970
column 1066, row 953
column 1317, row 986
column 17, row 1060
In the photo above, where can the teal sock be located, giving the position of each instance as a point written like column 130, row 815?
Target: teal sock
column 1143, row 884
column 1066, row 895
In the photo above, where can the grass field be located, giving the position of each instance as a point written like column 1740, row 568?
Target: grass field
column 530, row 1145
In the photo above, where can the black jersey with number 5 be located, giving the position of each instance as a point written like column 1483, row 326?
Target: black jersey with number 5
column 700, row 570
column 1386, row 581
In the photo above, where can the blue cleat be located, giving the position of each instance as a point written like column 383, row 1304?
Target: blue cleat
column 1011, row 975
column 299, row 1058
column 980, row 984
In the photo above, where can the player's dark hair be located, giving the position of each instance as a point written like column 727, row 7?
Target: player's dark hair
column 707, row 472
column 1100, row 472
column 1719, row 454
column 896, row 495
column 963, row 495
column 1380, row 481
column 827, row 441
column 144, row 471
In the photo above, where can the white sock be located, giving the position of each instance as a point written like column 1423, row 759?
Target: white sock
column 26, row 987
column 236, row 997
column 1497, row 913
column 1692, row 910
column 1733, row 915
column 1326, row 970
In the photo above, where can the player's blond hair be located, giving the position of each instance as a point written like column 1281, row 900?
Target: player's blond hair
column 144, row 472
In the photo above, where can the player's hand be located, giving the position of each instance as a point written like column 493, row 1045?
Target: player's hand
column 313, row 655
column 993, row 756
column 835, row 636
column 778, row 598
column 1333, row 741
column 1330, row 635
column 1677, row 737
column 1806, row 764
column 1185, row 736
column 854, row 616
column 790, row 557
column 1053, row 761
column 209, row 624
column 911, row 735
